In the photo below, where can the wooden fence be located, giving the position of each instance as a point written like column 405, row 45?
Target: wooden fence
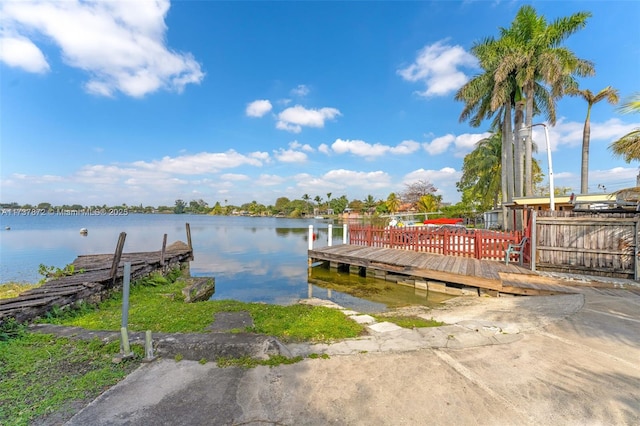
column 450, row 241
column 604, row 244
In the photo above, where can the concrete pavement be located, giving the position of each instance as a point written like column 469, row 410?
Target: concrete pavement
column 549, row 360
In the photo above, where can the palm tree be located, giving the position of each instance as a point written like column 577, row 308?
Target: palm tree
column 482, row 170
column 539, row 59
column 611, row 95
column 306, row 199
column 369, row 203
column 328, row 201
column 485, row 98
column 628, row 146
column 429, row 203
column 393, row 202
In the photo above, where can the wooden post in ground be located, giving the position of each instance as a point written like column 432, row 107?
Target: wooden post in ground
column 116, row 257
column 189, row 240
column 164, row 250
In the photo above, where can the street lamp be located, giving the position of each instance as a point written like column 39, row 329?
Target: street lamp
column 523, row 133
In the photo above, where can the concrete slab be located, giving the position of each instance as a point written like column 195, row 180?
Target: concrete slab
column 383, row 327
column 363, row 319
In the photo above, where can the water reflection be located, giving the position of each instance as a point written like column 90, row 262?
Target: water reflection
column 252, row 259
column 368, row 294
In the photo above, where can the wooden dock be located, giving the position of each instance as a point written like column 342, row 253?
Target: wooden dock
column 490, row 275
column 95, row 276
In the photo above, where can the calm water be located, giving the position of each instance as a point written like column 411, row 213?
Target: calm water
column 252, row 259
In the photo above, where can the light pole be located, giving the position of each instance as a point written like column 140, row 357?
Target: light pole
column 522, row 133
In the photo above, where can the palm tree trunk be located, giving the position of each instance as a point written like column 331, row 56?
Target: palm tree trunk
column 528, row 144
column 584, row 170
column 518, row 149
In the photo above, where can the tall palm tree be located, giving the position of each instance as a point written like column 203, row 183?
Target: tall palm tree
column 611, row 95
column 542, row 65
column 628, row 146
column 485, row 98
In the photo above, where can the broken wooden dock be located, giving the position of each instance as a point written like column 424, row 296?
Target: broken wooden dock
column 94, row 276
column 491, row 276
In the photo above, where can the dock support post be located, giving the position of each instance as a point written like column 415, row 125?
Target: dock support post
column 344, row 233
column 116, row 257
column 189, row 240
column 310, row 242
column 164, row 250
column 329, row 235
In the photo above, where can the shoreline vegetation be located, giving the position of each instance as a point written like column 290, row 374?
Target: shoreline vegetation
column 419, row 197
column 47, row 379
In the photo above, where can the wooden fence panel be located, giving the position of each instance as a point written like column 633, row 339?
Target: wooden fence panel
column 477, row 243
column 604, row 245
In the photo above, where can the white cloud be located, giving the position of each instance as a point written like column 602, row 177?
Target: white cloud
column 258, row 108
column 297, row 145
column 437, row 66
column 236, row 177
column 290, row 156
column 205, row 162
column 439, row 145
column 20, row 52
column 269, row 180
column 367, row 150
column 121, row 45
column 569, row 133
column 300, row 91
column 365, row 180
column 463, row 143
column 324, row 148
column 293, row 118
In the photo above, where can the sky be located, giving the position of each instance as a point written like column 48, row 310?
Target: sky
column 146, row 102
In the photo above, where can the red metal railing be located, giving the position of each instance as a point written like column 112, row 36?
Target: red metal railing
column 450, row 241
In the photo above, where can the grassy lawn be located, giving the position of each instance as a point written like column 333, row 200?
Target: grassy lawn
column 46, row 376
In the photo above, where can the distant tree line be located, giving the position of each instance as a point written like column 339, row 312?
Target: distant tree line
column 418, row 197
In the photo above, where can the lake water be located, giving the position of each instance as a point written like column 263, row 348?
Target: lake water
column 253, row 259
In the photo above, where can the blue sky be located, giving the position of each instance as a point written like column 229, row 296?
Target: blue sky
column 151, row 101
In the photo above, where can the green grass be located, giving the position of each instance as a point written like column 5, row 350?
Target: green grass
column 44, row 375
column 409, row 321
column 161, row 308
column 13, row 289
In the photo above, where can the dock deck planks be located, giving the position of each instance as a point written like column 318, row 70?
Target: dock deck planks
column 486, row 274
column 92, row 277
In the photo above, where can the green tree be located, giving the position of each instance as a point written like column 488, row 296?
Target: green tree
column 611, row 95
column 482, row 171
column 283, row 205
column 542, row 64
column 369, row 203
column 306, row 199
column 179, row 207
column 393, row 203
column 429, row 203
column 628, row 146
